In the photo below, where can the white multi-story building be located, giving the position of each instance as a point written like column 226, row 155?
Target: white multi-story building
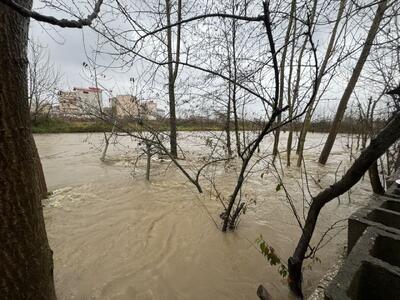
column 80, row 102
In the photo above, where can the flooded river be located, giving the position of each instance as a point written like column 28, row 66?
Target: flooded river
column 116, row 236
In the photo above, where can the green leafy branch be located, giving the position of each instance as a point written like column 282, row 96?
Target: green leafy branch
column 269, row 253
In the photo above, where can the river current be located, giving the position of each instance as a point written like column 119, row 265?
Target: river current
column 117, row 236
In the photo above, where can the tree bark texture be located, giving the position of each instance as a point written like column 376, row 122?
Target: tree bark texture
column 26, row 270
column 375, row 180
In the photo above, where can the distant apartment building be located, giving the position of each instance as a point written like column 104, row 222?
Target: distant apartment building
column 125, row 106
column 128, row 106
column 68, row 104
column 80, row 102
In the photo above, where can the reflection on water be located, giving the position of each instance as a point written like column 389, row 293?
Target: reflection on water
column 116, row 236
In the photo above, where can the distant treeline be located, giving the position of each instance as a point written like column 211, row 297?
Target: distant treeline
column 59, row 125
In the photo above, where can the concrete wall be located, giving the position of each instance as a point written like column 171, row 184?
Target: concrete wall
column 372, row 268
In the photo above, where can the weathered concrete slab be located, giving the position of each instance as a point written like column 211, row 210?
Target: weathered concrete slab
column 370, row 271
column 390, row 204
column 372, row 268
column 393, row 191
column 382, row 217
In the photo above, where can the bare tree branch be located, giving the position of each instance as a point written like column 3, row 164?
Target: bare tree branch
column 52, row 20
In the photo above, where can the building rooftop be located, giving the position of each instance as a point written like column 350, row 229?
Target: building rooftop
column 89, row 89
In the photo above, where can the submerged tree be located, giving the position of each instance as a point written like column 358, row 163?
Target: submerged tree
column 173, row 67
column 286, row 46
column 328, row 54
column 380, row 11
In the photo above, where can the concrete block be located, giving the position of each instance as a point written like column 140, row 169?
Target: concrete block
column 379, row 217
column 390, row 204
column 371, row 271
column 372, row 268
column 393, row 191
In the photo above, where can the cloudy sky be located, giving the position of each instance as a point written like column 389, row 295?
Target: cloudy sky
column 68, row 47
column 68, row 50
column 65, row 47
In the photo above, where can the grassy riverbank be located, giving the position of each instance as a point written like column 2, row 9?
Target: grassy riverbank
column 55, row 125
column 76, row 126
column 64, row 126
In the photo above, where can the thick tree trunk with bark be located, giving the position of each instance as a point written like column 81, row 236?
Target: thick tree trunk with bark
column 26, row 270
column 352, row 82
column 41, row 181
column 369, row 156
column 375, row 180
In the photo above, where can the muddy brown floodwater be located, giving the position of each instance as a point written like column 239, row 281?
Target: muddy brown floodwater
column 115, row 236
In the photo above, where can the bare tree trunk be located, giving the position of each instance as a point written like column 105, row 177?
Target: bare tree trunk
column 300, row 61
column 352, row 82
column 228, row 125
column 282, row 78
column 289, row 140
column 41, row 181
column 107, row 141
column 375, row 180
column 377, row 148
column 236, row 121
column 289, row 90
column 234, row 89
column 103, row 155
column 397, row 162
column 298, row 76
column 26, row 262
column 148, row 164
column 310, row 110
column 172, row 74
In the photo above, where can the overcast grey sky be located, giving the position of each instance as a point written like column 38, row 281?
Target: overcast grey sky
column 67, row 49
